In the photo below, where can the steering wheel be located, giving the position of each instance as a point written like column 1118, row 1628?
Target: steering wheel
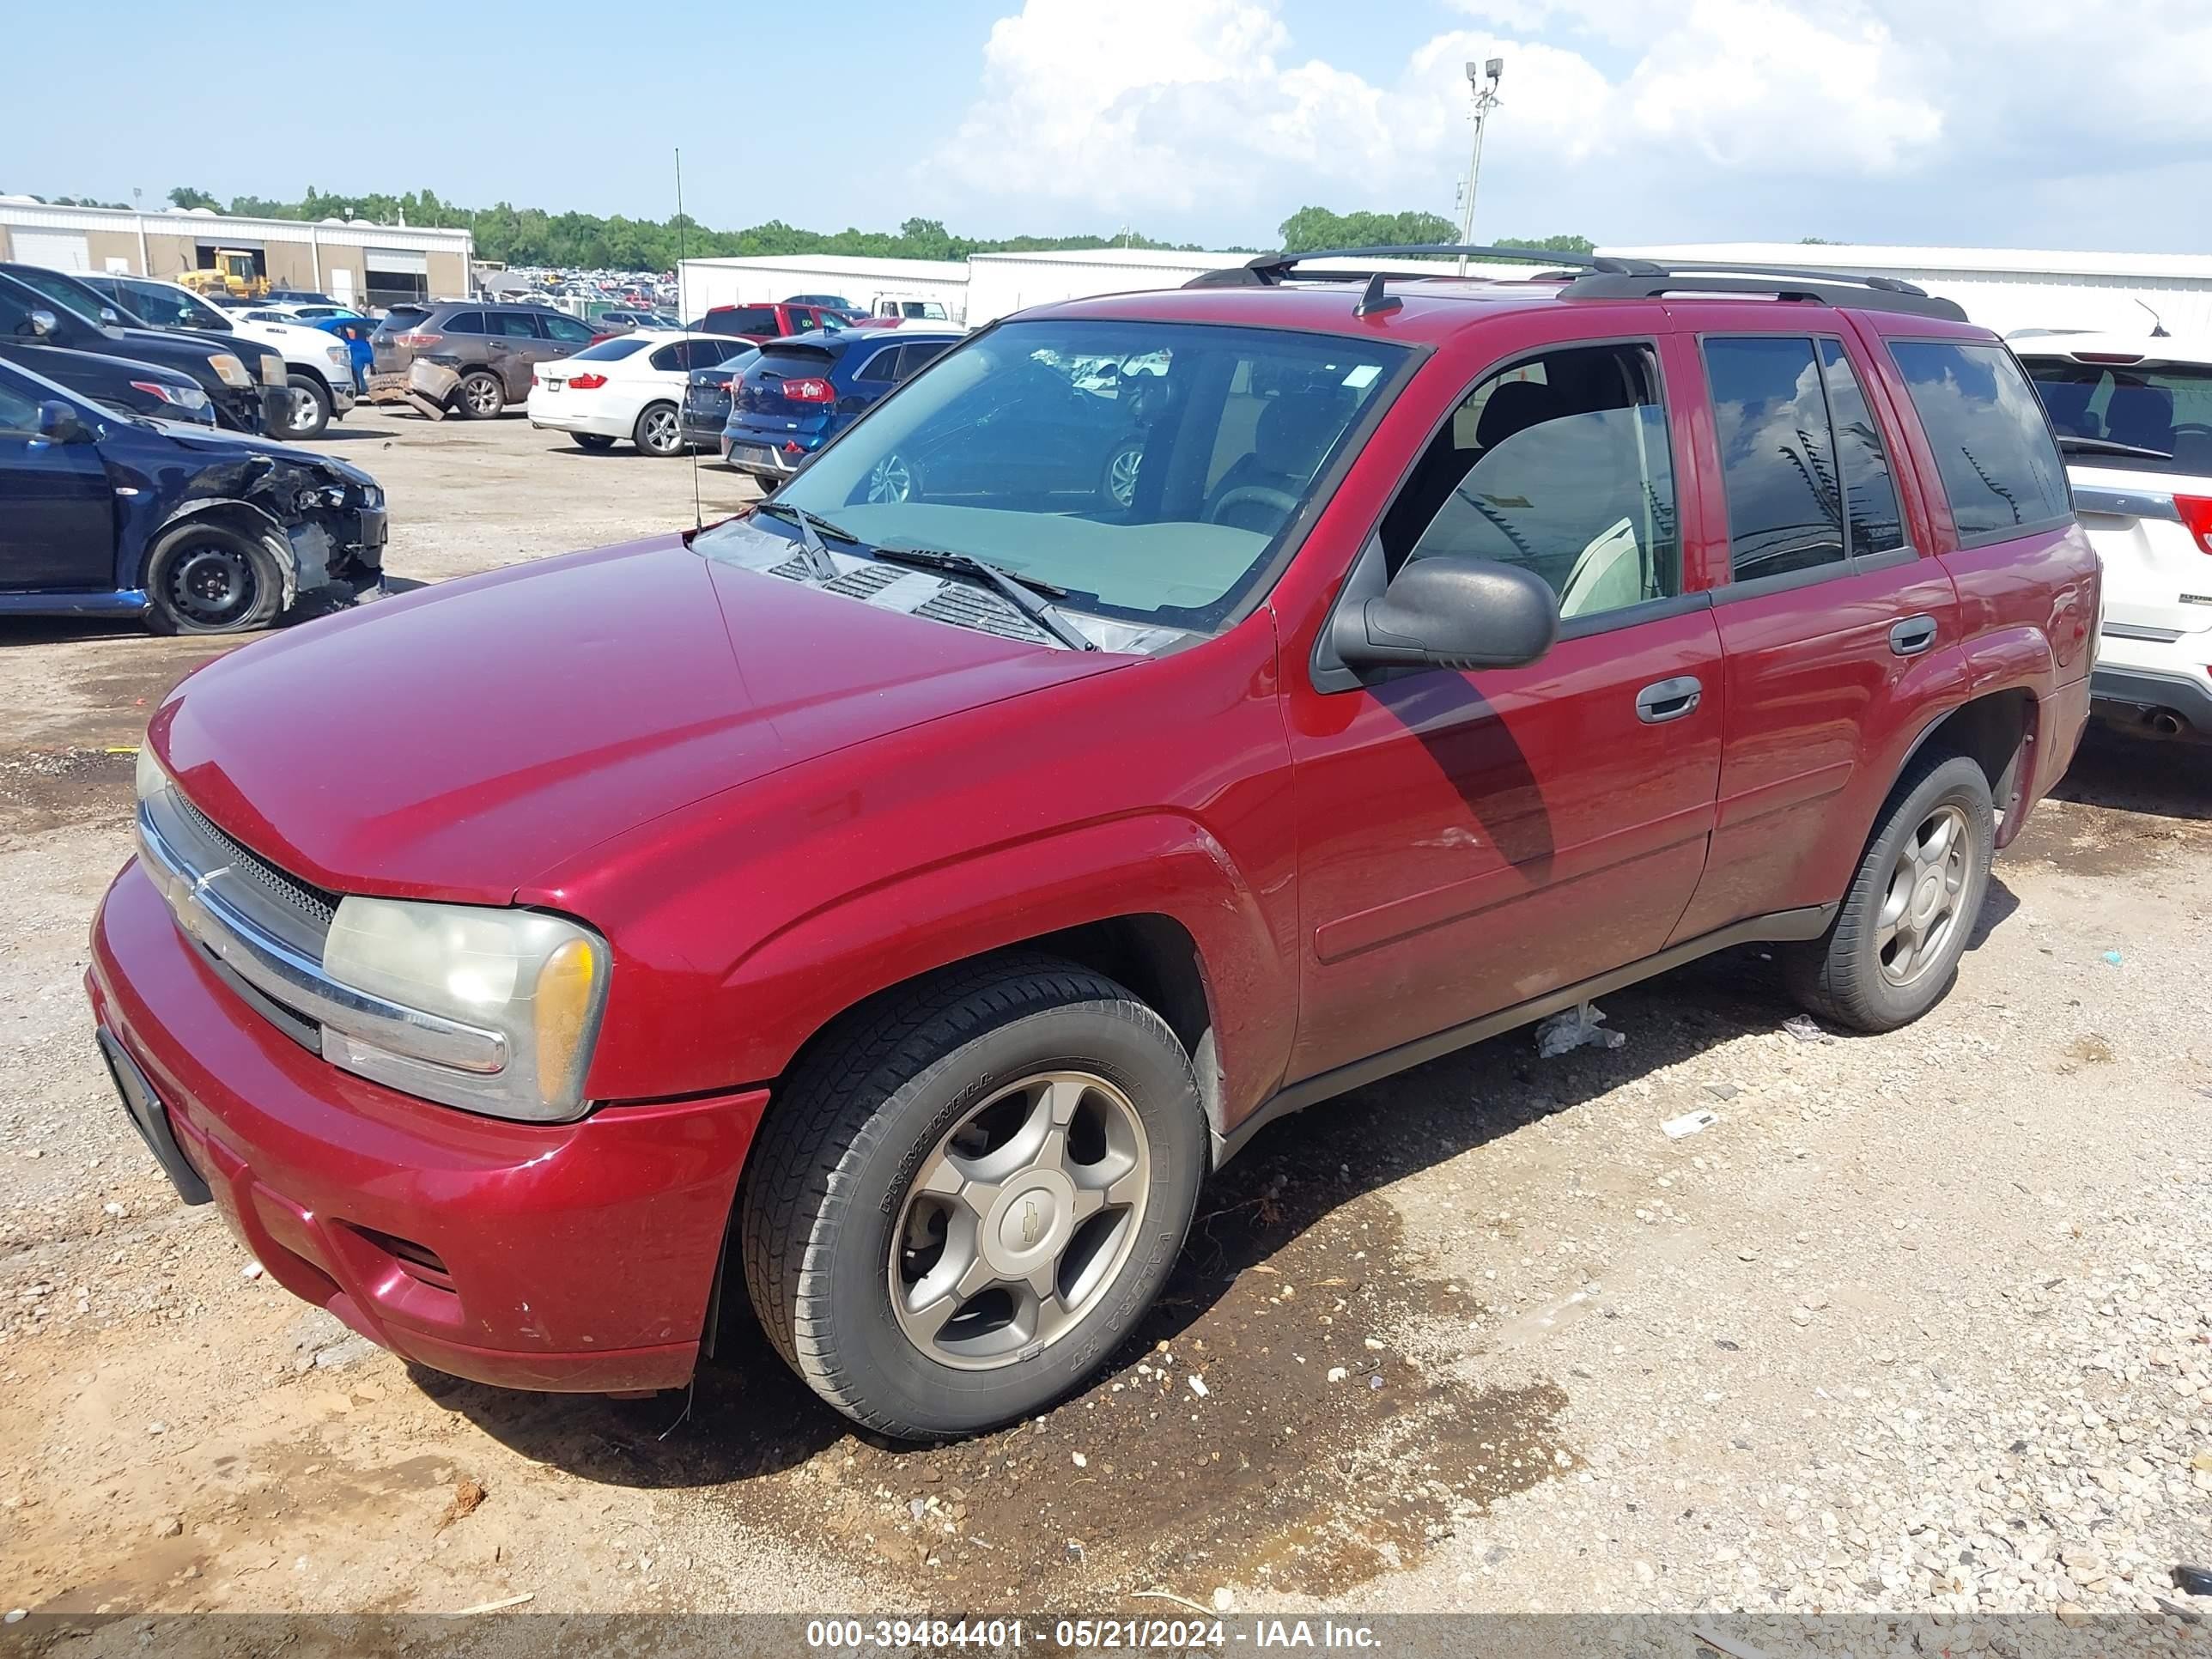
column 1284, row 504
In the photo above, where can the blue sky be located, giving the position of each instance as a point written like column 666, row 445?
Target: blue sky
column 2027, row 123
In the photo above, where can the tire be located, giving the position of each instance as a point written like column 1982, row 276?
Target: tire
column 205, row 578
column 1851, row 975
column 850, row 1171
column 480, row 396
column 311, row 409
column 658, row 431
column 596, row 442
column 1117, row 480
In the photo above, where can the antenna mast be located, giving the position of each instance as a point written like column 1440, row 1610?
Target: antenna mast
column 690, row 450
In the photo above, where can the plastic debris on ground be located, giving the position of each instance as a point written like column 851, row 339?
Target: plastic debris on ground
column 1805, row 1029
column 1575, row 1027
column 2112, row 957
column 1688, row 1124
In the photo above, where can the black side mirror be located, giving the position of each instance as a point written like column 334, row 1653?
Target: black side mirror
column 1448, row 611
column 59, row 423
column 44, row 322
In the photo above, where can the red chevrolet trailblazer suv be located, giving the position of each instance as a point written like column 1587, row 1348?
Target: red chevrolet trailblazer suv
column 897, row 899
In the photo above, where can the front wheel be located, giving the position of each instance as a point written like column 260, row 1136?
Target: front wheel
column 210, row 578
column 1892, row 951
column 311, row 408
column 971, row 1194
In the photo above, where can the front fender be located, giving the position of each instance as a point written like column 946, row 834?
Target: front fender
column 808, row 972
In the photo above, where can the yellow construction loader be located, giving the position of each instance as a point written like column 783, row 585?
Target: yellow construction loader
column 232, row 275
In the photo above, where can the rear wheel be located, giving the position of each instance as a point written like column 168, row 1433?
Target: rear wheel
column 970, row 1194
column 210, row 578
column 591, row 440
column 480, row 396
column 1894, row 946
column 893, row 478
column 658, row 431
column 311, row 408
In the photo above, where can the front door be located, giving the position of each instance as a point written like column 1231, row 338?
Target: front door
column 57, row 506
column 1469, row 841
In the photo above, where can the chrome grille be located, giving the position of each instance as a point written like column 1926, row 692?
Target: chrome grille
column 310, row 904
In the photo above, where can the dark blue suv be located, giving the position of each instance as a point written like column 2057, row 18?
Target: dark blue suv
column 804, row 392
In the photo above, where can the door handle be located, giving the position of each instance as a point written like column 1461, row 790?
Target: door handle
column 1913, row 637
column 1668, row 700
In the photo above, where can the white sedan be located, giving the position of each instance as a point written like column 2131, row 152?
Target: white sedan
column 630, row 386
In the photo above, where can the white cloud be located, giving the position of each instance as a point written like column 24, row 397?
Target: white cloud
column 1204, row 111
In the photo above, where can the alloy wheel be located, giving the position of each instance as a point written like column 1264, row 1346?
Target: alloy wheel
column 1920, row 910
column 890, row 480
column 1121, row 475
column 1016, row 1225
column 304, row 412
column 661, row 431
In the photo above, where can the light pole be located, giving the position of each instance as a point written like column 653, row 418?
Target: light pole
column 1483, row 80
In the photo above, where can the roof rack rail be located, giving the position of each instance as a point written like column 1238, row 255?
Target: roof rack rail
column 1269, row 269
column 1827, row 288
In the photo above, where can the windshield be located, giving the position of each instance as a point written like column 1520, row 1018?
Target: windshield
column 174, row 307
column 1149, row 468
column 2150, row 405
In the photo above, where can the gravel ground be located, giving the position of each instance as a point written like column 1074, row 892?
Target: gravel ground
column 1922, row 1323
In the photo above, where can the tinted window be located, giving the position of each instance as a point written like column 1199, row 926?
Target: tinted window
column 18, row 413
column 609, row 351
column 914, row 358
column 1561, row 464
column 1784, row 505
column 2150, row 405
column 883, row 366
column 2000, row 469
column 566, row 328
column 464, row 322
column 1870, row 492
column 513, row 325
column 669, row 356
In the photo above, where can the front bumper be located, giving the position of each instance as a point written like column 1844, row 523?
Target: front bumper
column 573, row 1258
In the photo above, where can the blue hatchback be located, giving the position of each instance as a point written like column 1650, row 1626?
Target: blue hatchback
column 804, row 392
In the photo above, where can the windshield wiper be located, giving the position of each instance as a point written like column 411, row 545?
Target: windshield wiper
column 2068, row 441
column 810, row 539
column 1023, row 592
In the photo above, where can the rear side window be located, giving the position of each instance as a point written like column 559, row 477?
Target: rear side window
column 914, row 358
column 1993, row 448
column 609, row 351
column 1558, row 463
column 1870, row 492
column 669, row 356
column 883, row 367
column 513, row 325
column 2165, row 407
column 565, row 329
column 464, row 322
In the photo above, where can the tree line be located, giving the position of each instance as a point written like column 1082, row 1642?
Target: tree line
column 532, row 236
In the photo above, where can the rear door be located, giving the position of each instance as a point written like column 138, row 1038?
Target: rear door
column 1470, row 841
column 57, row 506
column 1837, row 623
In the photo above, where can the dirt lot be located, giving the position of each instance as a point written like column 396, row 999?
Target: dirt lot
column 1922, row 1322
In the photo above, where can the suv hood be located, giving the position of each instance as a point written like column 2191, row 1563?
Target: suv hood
column 457, row 742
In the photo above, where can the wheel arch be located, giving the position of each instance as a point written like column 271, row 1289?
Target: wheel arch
column 1998, row 731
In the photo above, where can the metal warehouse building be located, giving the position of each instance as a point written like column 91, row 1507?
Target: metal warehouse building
column 2002, row 289
column 350, row 260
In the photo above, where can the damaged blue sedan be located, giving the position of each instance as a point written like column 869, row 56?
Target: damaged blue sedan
column 197, row 531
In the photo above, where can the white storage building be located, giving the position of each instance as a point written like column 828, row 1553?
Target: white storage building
column 764, row 280
column 2003, row 288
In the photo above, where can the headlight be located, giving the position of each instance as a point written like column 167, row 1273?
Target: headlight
column 273, row 372
column 180, row 397
column 534, row 985
column 338, row 356
column 151, row 779
column 228, row 369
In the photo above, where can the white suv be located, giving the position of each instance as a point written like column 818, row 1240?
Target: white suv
column 2134, row 416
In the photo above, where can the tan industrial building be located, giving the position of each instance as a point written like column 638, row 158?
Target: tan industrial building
column 352, row 261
